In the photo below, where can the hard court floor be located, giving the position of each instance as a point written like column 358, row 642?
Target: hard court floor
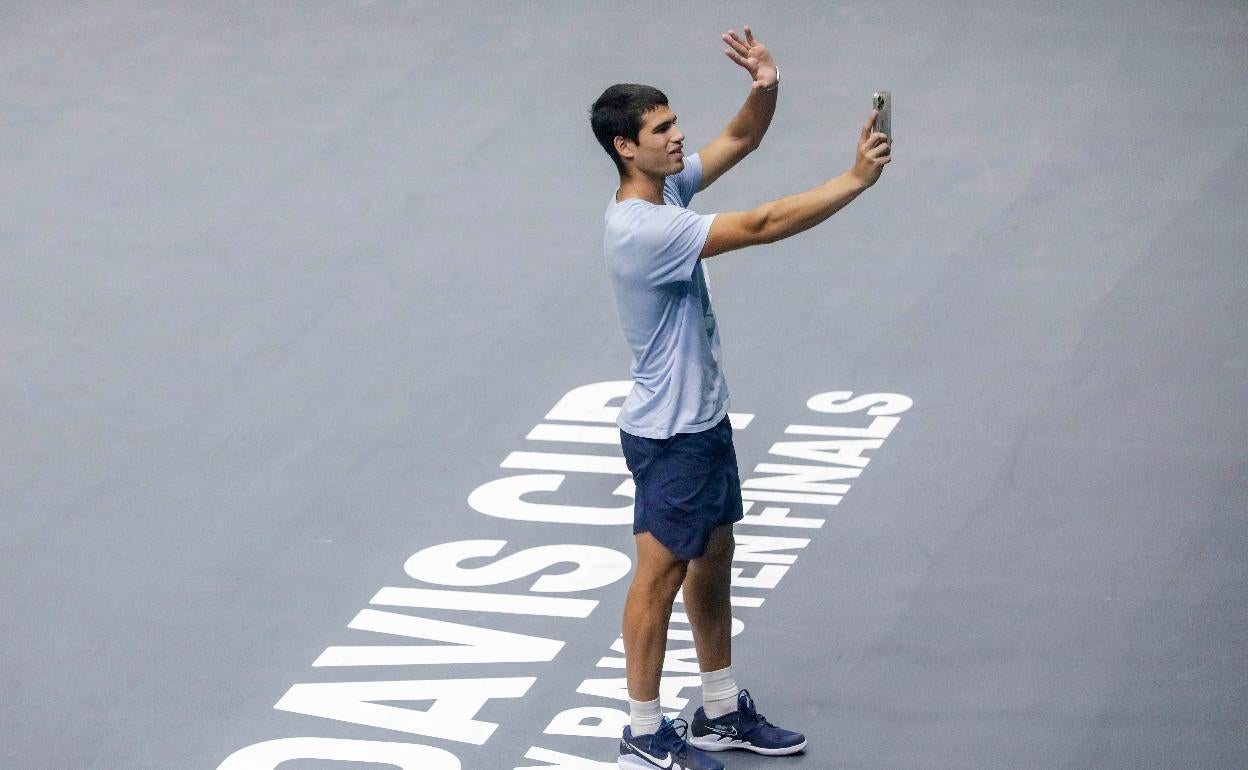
column 286, row 285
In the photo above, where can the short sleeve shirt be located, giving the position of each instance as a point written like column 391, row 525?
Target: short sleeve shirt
column 664, row 303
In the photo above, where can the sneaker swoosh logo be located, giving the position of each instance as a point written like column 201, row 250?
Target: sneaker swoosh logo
column 665, row 762
column 727, row 732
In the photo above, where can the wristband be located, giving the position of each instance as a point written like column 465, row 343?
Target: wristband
column 774, row 85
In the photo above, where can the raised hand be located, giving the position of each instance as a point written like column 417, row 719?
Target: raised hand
column 753, row 56
column 873, row 153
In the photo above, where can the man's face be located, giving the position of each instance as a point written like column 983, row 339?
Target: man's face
column 659, row 150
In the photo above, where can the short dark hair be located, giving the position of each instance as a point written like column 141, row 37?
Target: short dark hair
column 618, row 113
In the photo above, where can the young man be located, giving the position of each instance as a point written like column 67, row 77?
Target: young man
column 674, row 428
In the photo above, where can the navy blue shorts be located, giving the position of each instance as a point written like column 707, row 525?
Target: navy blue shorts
column 686, row 486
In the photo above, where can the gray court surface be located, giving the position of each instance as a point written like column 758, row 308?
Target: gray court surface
column 285, row 285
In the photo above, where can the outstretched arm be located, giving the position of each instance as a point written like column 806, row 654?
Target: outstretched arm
column 746, row 130
column 794, row 213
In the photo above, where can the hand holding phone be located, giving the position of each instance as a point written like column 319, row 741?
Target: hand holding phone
column 874, row 142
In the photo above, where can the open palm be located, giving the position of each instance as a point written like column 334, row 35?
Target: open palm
column 753, row 56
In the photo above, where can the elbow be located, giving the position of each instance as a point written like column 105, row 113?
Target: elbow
column 745, row 144
column 765, row 226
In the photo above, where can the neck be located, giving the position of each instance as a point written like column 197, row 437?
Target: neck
column 640, row 185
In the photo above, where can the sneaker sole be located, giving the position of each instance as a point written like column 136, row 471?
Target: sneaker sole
column 727, row 744
column 637, row 763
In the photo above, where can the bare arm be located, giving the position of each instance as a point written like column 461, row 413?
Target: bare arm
column 779, row 219
column 745, row 131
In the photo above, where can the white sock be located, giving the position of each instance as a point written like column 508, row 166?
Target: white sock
column 644, row 716
column 719, row 692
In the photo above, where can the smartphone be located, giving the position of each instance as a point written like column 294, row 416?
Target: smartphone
column 883, row 101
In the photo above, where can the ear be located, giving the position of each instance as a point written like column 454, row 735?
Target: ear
column 626, row 148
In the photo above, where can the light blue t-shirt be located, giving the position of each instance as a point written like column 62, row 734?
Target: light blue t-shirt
column 664, row 304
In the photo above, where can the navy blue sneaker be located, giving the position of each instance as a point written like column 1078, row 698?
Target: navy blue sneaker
column 744, row 728
column 665, row 749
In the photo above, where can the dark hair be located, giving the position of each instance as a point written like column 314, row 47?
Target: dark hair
column 618, row 113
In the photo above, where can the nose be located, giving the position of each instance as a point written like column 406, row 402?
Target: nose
column 679, row 137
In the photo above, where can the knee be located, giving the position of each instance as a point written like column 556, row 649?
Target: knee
column 662, row 584
column 670, row 581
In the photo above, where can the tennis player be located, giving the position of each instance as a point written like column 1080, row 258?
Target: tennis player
column 674, row 427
